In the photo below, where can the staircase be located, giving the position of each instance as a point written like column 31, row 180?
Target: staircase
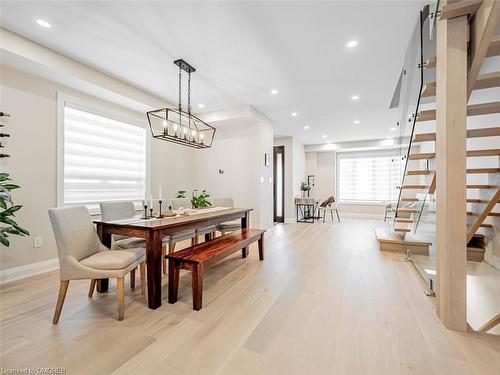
column 414, row 214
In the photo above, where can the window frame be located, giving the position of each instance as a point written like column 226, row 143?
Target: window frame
column 388, row 152
column 97, row 109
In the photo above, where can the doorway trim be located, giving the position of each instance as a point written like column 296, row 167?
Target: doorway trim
column 279, row 150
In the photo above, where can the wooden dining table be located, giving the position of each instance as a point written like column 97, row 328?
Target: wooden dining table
column 154, row 230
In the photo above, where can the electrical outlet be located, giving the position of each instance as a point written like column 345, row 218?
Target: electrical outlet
column 37, row 242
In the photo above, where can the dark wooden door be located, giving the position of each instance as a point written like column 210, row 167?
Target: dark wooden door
column 279, row 183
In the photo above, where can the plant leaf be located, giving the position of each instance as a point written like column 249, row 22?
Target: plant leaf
column 10, row 186
column 4, row 239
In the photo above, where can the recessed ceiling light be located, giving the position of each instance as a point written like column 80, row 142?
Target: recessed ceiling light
column 355, row 97
column 356, row 122
column 324, row 136
column 294, row 114
column 201, row 105
column 43, row 23
column 306, row 127
column 352, row 43
column 393, row 129
column 274, row 91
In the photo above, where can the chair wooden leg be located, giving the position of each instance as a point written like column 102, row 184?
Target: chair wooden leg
column 142, row 270
column 194, row 241
column 261, row 247
column 197, row 286
column 331, row 214
column 164, row 260
column 132, row 279
column 92, row 287
column 338, row 217
column 173, row 281
column 324, row 212
column 214, row 234
column 171, row 247
column 120, row 293
column 63, row 287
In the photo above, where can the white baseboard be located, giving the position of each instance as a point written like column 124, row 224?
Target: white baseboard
column 21, row 272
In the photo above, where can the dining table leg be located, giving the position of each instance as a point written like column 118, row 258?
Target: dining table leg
column 153, row 264
column 103, row 284
column 245, row 224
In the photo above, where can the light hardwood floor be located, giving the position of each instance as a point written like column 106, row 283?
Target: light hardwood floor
column 324, row 301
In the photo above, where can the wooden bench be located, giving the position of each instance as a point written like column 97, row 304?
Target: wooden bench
column 198, row 257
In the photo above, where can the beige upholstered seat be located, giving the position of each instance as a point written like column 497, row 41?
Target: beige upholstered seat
column 228, row 226
column 178, row 203
column 83, row 256
column 123, row 210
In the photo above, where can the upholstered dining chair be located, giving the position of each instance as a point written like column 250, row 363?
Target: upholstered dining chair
column 82, row 256
column 228, row 226
column 177, row 203
column 328, row 206
column 123, row 210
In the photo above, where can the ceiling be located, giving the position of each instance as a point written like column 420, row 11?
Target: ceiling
column 243, row 50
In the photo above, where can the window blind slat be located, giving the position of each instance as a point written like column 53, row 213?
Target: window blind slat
column 104, row 159
column 368, row 178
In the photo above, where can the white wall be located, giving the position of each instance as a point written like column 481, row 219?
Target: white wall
column 238, row 150
column 32, row 145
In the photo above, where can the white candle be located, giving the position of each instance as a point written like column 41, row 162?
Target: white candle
column 159, row 192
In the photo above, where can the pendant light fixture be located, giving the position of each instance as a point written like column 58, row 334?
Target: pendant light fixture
column 177, row 125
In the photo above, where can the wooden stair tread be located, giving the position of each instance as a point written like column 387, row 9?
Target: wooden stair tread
column 481, row 186
column 494, row 48
column 471, row 133
column 407, row 210
column 472, row 110
column 403, row 220
column 430, row 63
column 470, row 200
column 474, row 248
column 404, row 230
column 408, row 186
column 478, row 214
column 486, row 225
column 484, row 81
column 409, row 199
column 470, row 153
column 487, row 80
column 429, row 89
column 482, row 170
column 386, row 235
column 424, row 155
column 419, row 172
column 487, row 152
column 459, row 8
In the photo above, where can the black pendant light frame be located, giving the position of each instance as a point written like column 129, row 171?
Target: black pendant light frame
column 179, row 126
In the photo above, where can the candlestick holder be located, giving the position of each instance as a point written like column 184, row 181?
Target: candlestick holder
column 145, row 217
column 151, row 213
column 159, row 212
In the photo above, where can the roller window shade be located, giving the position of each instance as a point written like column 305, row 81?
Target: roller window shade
column 368, row 178
column 104, row 159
